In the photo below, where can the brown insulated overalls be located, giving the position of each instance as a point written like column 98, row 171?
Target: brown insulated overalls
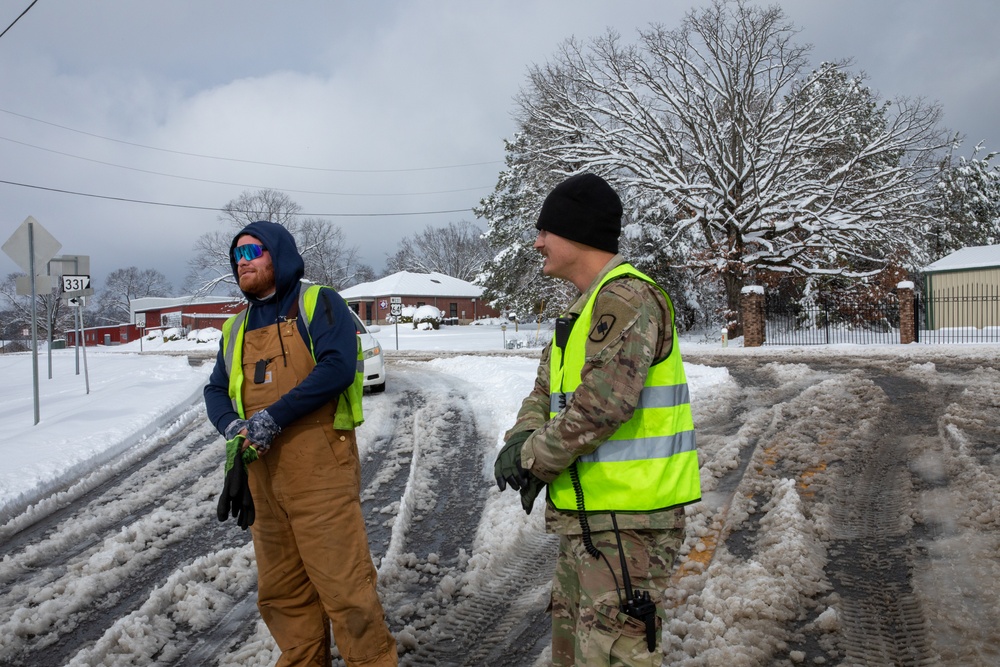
column 313, row 559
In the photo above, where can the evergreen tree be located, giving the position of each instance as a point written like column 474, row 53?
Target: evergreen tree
column 512, row 277
column 966, row 205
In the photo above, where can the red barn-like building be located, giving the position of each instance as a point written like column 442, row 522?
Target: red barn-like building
column 151, row 313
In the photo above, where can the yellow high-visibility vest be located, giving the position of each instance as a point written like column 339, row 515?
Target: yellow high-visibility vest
column 650, row 463
column 348, row 414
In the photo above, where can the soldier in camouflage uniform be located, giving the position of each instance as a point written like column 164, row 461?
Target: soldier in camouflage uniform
column 622, row 352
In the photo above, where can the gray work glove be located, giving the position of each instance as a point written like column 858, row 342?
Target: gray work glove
column 507, row 468
column 234, row 428
column 261, row 429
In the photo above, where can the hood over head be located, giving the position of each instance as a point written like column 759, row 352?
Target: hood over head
column 288, row 265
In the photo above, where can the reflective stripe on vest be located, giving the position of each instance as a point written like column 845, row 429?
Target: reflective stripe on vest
column 649, row 397
column 349, row 413
column 651, row 461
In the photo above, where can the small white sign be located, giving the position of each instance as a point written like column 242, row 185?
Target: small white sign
column 75, row 283
column 396, row 299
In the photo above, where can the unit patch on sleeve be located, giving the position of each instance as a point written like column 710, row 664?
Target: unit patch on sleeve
column 605, row 323
column 615, row 310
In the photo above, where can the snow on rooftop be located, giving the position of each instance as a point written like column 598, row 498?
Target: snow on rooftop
column 975, row 257
column 152, row 302
column 159, row 302
column 405, row 283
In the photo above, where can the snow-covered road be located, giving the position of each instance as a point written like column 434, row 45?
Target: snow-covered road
column 850, row 517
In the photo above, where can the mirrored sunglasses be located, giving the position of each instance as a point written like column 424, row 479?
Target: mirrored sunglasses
column 248, row 252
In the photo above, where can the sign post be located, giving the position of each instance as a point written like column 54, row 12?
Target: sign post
column 77, row 303
column 140, row 323
column 31, row 246
column 396, row 309
column 73, row 273
column 86, row 375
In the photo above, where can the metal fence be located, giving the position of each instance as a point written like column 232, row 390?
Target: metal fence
column 966, row 314
column 831, row 319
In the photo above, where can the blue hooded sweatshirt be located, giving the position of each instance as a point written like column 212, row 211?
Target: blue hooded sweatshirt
column 334, row 335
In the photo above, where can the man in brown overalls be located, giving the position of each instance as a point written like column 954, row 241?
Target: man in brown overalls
column 287, row 380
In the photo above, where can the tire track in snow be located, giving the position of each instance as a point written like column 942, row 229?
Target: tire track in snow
column 505, row 623
column 500, row 621
column 871, row 554
column 100, row 559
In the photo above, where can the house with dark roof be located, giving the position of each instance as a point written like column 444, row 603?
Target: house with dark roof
column 457, row 299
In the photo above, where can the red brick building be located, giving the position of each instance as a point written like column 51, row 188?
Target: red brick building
column 455, row 298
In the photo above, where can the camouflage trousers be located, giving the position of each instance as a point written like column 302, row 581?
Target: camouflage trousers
column 588, row 628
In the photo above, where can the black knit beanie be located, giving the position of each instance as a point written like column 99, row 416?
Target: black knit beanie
column 584, row 208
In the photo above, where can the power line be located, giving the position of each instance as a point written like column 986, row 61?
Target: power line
column 267, row 164
column 242, row 185
column 215, row 208
column 18, row 18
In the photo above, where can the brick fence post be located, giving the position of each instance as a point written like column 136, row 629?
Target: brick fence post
column 752, row 308
column 907, row 313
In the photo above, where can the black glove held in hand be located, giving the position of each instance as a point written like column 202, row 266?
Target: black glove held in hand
column 507, row 468
column 261, row 429
column 235, row 499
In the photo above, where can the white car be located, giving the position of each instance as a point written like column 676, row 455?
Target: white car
column 372, row 351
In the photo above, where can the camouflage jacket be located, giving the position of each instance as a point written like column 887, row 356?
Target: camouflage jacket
column 614, row 372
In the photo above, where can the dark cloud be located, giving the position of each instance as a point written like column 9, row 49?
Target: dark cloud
column 382, row 108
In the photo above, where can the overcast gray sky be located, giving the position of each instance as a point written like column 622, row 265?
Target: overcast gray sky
column 373, row 114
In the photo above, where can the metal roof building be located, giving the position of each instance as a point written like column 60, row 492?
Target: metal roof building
column 962, row 289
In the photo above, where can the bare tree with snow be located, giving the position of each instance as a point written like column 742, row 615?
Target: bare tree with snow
column 123, row 285
column 15, row 309
column 457, row 250
column 328, row 259
column 746, row 162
